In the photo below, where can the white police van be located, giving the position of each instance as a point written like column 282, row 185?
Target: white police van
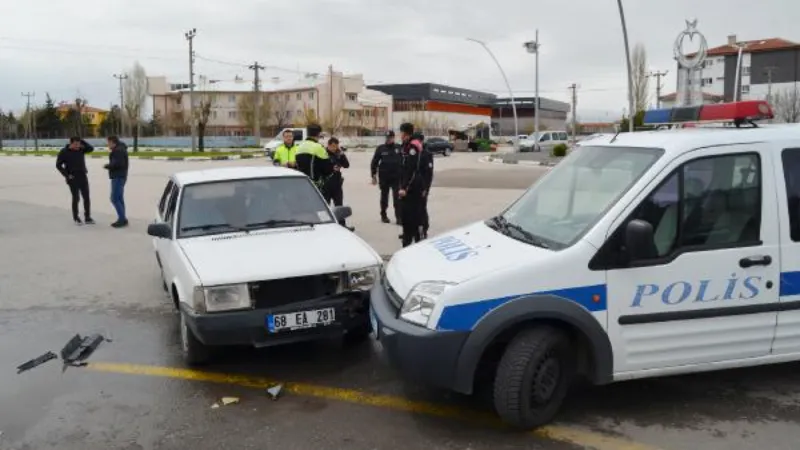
column 643, row 254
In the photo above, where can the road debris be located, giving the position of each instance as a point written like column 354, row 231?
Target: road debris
column 229, row 400
column 275, row 391
column 35, row 362
column 78, row 349
column 215, row 406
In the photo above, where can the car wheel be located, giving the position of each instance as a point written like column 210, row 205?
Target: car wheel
column 447, row 152
column 195, row 353
column 533, row 377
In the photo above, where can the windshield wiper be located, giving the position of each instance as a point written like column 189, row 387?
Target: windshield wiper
column 278, row 223
column 213, row 226
column 502, row 223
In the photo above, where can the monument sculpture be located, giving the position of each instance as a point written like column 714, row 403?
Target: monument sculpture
column 690, row 66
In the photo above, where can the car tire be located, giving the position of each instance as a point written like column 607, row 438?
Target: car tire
column 533, row 377
column 447, row 152
column 195, row 353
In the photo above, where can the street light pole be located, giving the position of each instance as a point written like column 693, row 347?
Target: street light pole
column 510, row 92
column 189, row 35
column 533, row 47
column 628, row 59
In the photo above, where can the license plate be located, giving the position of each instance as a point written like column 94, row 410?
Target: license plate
column 300, row 320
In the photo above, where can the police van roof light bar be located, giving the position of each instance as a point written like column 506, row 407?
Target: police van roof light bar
column 735, row 112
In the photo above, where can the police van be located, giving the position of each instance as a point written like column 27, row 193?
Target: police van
column 642, row 254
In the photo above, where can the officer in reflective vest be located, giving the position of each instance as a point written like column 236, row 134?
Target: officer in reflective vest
column 312, row 159
column 285, row 153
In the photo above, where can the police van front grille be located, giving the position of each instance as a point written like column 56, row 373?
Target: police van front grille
column 285, row 291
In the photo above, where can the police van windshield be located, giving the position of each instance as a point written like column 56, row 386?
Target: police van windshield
column 563, row 205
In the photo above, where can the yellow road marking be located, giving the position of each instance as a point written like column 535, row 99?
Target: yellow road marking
column 586, row 439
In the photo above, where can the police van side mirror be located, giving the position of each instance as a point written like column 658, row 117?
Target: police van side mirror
column 639, row 241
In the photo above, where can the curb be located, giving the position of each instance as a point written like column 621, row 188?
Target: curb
column 155, row 158
column 495, row 160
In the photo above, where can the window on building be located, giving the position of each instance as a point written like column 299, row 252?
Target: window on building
column 352, row 114
column 352, row 97
column 299, row 113
column 231, row 99
column 311, row 95
column 746, row 71
column 213, row 114
column 707, row 82
column 232, row 114
column 287, row 97
column 366, row 113
column 299, row 96
column 745, row 89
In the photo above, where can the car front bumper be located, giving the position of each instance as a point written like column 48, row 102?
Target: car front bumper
column 250, row 327
column 420, row 354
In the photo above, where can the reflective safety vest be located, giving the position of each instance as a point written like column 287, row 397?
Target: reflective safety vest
column 312, row 159
column 285, row 155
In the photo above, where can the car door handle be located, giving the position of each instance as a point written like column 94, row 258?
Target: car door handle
column 751, row 261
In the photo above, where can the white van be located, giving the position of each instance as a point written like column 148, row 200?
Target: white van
column 639, row 255
column 547, row 140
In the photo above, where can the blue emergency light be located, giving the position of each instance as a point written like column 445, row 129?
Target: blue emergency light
column 735, row 112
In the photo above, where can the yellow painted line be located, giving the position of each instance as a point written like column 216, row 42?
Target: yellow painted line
column 586, row 439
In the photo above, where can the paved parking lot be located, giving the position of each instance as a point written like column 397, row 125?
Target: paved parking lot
column 57, row 279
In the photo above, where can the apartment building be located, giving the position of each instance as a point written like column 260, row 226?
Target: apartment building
column 341, row 103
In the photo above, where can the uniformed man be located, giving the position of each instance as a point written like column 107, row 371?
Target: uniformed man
column 413, row 184
column 385, row 171
column 334, row 186
column 312, row 159
column 426, row 160
column 285, row 153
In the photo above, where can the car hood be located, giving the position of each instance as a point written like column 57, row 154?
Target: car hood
column 458, row 256
column 276, row 253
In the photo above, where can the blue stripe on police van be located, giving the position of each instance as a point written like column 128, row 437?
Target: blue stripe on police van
column 790, row 284
column 464, row 317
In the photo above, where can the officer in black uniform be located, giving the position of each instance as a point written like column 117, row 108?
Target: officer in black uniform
column 427, row 161
column 385, row 170
column 414, row 178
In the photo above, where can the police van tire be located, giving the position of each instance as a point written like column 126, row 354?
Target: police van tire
column 195, row 353
column 533, row 377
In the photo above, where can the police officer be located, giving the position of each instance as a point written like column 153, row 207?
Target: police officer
column 334, row 191
column 413, row 184
column 385, row 169
column 312, row 159
column 285, row 153
column 426, row 160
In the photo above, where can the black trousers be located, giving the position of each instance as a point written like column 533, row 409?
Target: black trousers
column 389, row 184
column 79, row 187
column 335, row 195
column 412, row 218
column 424, row 220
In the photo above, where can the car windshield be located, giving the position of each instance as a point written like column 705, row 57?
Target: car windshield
column 246, row 205
column 564, row 204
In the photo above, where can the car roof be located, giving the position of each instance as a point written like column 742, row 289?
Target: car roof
column 685, row 139
column 232, row 173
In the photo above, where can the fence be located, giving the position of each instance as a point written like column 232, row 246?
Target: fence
column 160, row 142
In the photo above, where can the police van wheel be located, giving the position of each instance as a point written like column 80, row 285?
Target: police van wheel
column 533, row 377
column 195, row 353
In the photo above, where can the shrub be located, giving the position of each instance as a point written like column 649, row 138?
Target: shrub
column 560, row 150
column 484, row 145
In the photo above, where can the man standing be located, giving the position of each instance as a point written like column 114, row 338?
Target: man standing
column 312, row 159
column 334, row 184
column 285, row 153
column 427, row 161
column 71, row 163
column 385, row 170
column 118, row 173
column 413, row 184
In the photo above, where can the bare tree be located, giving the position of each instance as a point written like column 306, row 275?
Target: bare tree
column 202, row 112
column 281, row 110
column 247, row 110
column 135, row 89
column 641, row 82
column 309, row 117
column 787, row 105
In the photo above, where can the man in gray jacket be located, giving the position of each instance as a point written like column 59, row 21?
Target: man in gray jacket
column 118, row 173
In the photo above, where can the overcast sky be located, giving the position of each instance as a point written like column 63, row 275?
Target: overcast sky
column 70, row 47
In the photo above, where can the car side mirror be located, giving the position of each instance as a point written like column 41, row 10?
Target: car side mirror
column 342, row 212
column 160, row 230
column 639, row 240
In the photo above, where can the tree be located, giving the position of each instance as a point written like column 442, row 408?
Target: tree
column 202, row 111
column 787, row 105
column 247, row 111
column 48, row 123
column 112, row 121
column 135, row 89
column 73, row 121
column 279, row 108
column 309, row 116
column 641, row 82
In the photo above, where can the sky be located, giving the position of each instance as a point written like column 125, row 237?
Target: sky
column 73, row 48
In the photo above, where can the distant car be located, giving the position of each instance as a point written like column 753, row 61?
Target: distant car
column 547, row 140
column 439, row 145
column 274, row 143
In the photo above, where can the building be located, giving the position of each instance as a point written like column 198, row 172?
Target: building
column 587, row 128
column 772, row 63
column 343, row 105
column 437, row 109
column 668, row 101
column 552, row 115
column 93, row 116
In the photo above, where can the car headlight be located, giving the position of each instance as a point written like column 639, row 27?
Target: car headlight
column 227, row 298
column 419, row 303
column 363, row 279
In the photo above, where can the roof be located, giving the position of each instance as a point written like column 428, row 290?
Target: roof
column 677, row 141
column 85, row 108
column 754, row 46
column 706, row 96
column 232, row 173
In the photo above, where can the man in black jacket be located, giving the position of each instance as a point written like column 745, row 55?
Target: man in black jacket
column 71, row 163
column 118, row 173
column 385, row 170
column 426, row 159
column 414, row 179
column 334, row 185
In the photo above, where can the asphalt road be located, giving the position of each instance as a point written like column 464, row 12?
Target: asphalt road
column 57, row 279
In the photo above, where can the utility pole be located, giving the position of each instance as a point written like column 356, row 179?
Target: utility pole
column 121, row 104
column 256, row 102
column 574, row 88
column 190, row 37
column 658, row 76
column 30, row 119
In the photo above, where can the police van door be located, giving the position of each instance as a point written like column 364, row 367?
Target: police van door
column 703, row 286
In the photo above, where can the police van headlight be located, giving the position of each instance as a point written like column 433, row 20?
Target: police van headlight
column 420, row 302
column 363, row 279
column 227, row 298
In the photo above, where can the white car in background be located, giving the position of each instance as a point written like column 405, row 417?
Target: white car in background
column 255, row 256
column 547, row 140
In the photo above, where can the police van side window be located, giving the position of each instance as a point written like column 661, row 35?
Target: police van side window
column 705, row 204
column 791, row 174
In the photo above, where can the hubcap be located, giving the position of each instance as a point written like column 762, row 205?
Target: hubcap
column 545, row 380
column 184, row 335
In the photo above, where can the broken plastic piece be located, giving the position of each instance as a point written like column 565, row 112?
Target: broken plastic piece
column 229, row 400
column 78, row 349
column 275, row 391
column 36, row 362
column 215, row 406
column 72, row 345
